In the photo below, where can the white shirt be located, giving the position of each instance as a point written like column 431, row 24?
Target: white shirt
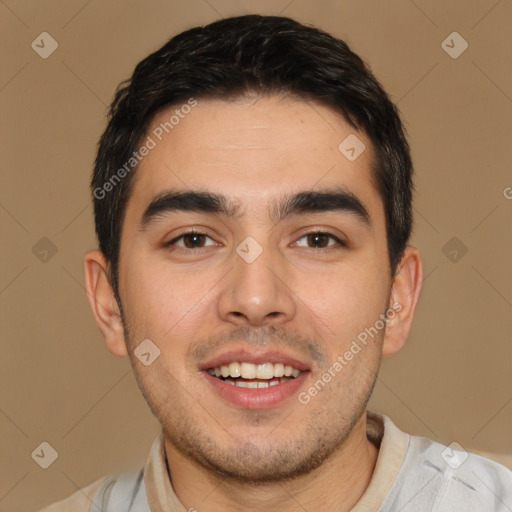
column 412, row 474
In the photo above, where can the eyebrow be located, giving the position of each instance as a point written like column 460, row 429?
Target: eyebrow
column 337, row 200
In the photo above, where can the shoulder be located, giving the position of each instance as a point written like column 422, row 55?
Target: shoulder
column 455, row 459
column 457, row 478
column 122, row 492
column 429, row 475
column 80, row 501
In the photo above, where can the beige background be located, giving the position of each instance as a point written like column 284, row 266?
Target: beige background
column 452, row 381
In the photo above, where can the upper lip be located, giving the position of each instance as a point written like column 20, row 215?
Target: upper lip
column 254, row 357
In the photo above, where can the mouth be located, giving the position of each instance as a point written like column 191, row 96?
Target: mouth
column 254, row 376
column 262, row 382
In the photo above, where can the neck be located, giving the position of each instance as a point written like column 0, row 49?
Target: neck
column 337, row 485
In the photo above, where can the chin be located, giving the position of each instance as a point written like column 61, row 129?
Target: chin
column 258, row 463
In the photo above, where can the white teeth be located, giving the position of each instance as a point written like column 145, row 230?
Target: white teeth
column 234, row 370
column 263, row 371
column 248, row 370
column 278, row 370
column 255, row 384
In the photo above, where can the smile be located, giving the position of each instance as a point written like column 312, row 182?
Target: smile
column 248, row 375
column 255, row 386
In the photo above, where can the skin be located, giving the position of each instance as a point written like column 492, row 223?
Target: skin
column 195, row 303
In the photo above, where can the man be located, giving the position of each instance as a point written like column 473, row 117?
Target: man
column 252, row 197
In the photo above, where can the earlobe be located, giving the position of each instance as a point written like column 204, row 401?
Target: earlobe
column 103, row 302
column 404, row 296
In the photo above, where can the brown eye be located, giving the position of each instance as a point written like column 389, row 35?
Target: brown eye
column 320, row 240
column 194, row 240
column 191, row 240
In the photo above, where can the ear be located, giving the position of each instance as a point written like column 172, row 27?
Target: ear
column 103, row 303
column 405, row 291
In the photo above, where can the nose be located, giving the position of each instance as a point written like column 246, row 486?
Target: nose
column 257, row 293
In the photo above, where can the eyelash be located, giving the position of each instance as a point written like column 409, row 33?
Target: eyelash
column 339, row 242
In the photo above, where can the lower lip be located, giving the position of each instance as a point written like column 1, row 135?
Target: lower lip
column 256, row 398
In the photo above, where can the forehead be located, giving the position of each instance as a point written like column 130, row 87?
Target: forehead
column 253, row 151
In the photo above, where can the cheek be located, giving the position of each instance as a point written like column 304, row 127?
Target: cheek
column 160, row 301
column 347, row 301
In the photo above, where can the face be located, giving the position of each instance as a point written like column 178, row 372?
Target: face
column 254, row 281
